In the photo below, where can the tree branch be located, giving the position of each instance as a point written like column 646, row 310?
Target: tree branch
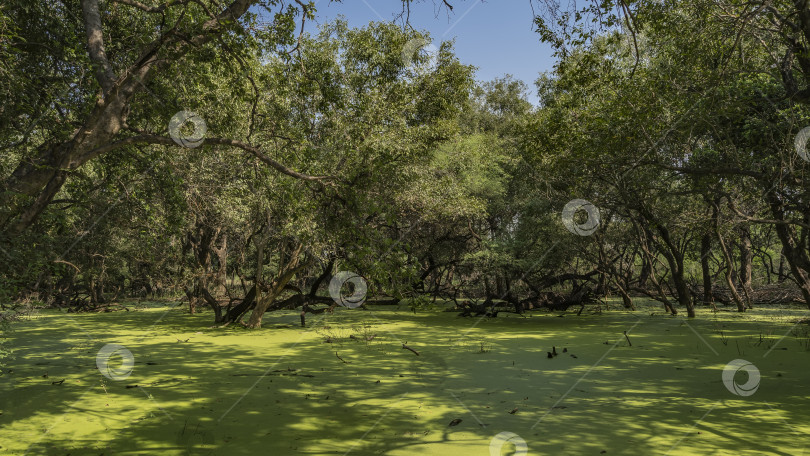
column 147, row 8
column 146, row 138
column 95, row 45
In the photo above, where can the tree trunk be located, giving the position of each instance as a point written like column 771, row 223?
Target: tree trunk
column 705, row 252
column 684, row 296
column 286, row 273
column 746, row 264
column 222, row 268
column 780, row 278
column 794, row 252
column 626, row 299
column 675, row 259
column 257, row 283
column 729, row 280
column 241, row 309
column 648, row 259
column 727, row 257
column 42, row 176
column 214, row 305
column 645, row 272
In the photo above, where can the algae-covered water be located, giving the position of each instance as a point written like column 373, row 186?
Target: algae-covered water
column 345, row 384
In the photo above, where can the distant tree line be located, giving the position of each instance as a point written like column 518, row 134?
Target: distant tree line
column 196, row 151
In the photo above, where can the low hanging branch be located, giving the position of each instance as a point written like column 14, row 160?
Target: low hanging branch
column 42, row 176
column 148, row 138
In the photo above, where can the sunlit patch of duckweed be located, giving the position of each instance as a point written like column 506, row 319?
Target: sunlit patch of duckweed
column 300, row 391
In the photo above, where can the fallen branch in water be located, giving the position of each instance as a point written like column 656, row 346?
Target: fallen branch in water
column 344, row 361
column 411, row 349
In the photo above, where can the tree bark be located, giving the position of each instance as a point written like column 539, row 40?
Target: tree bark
column 674, row 257
column 794, row 252
column 746, row 264
column 705, row 252
column 626, row 299
column 287, row 271
column 222, row 268
column 42, row 176
column 729, row 266
column 652, row 278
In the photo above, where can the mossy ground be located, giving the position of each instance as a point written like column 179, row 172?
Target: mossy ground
column 326, row 389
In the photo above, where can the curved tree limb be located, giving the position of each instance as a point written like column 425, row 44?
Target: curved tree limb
column 146, row 138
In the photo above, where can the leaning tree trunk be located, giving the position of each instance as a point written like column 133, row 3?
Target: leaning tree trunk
column 684, row 295
column 648, row 259
column 674, row 257
column 626, row 299
column 287, row 272
column 313, row 291
column 794, row 251
column 673, row 254
column 42, row 176
column 729, row 267
column 644, row 275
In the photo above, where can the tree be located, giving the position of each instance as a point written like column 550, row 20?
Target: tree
column 88, row 100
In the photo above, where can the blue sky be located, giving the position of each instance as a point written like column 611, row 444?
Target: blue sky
column 495, row 36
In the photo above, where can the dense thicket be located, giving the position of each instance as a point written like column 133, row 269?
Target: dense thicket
column 666, row 159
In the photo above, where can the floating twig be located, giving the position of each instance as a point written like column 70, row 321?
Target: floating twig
column 628, row 338
column 344, row 361
column 411, row 349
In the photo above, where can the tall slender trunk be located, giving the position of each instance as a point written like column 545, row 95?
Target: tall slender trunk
column 705, row 252
column 735, row 295
column 648, row 259
column 746, row 264
column 727, row 257
column 222, row 268
column 645, row 272
column 684, row 295
column 257, row 282
column 675, row 259
column 780, row 276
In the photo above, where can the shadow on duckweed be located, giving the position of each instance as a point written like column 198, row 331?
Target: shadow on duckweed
column 283, row 390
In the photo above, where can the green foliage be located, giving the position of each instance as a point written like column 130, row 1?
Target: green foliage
column 6, row 318
column 422, row 181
